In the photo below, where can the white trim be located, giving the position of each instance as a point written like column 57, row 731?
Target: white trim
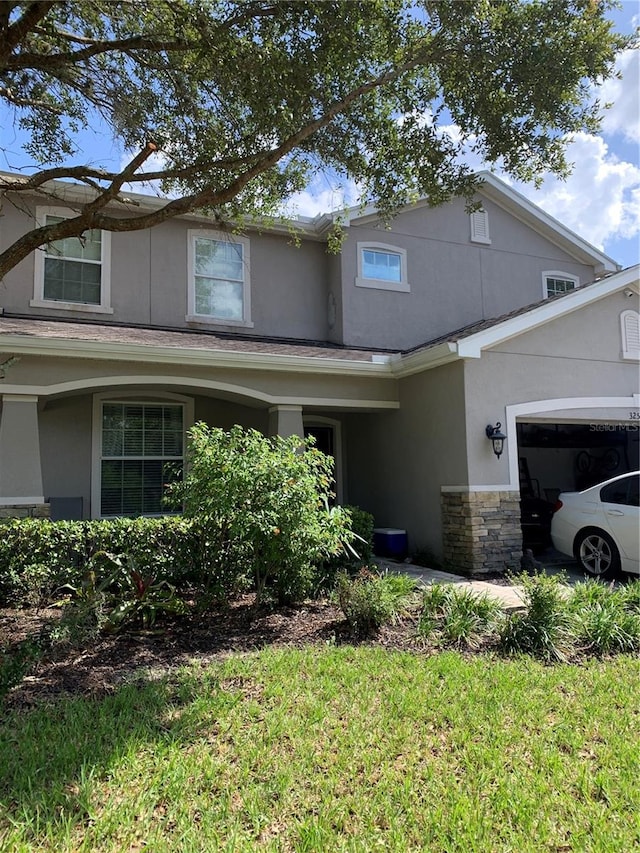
column 39, row 499
column 39, row 301
column 394, row 365
column 630, row 353
column 479, row 225
column 401, row 286
column 529, row 213
column 517, row 411
column 198, row 385
column 19, row 398
column 318, row 420
column 201, row 320
column 160, row 397
column 221, row 237
column 79, row 307
column 111, row 351
column 472, row 346
column 284, row 408
column 417, row 362
column 563, row 276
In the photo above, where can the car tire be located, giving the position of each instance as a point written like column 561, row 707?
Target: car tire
column 596, row 552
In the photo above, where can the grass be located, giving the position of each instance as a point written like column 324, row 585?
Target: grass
column 334, row 749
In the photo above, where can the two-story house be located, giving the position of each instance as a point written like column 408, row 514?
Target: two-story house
column 397, row 354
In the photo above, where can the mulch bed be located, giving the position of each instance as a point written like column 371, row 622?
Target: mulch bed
column 113, row 659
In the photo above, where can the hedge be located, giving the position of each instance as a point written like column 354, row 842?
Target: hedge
column 38, row 557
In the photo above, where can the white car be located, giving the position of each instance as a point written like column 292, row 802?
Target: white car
column 600, row 526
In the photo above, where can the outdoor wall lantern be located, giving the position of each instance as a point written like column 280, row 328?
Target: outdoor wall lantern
column 497, row 437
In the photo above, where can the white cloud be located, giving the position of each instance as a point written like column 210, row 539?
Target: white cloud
column 156, row 162
column 601, row 198
column 322, row 199
column 624, row 95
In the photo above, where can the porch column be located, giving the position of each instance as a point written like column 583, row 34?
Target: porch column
column 481, row 531
column 20, row 467
column 286, row 421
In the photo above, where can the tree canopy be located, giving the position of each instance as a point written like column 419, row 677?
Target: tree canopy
column 242, row 102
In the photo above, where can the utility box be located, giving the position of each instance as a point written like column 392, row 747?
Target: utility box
column 390, row 542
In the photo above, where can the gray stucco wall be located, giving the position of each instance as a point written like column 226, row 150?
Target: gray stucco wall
column 241, row 383
column 149, row 280
column 453, row 280
column 225, row 414
column 65, row 446
column 578, row 355
column 66, row 436
column 398, row 461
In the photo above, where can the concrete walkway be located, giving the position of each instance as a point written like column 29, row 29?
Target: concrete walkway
column 510, row 597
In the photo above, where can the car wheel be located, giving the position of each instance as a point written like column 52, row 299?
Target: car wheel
column 596, row 552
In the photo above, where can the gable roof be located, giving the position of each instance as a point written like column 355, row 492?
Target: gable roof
column 530, row 214
column 38, row 336
column 500, row 193
column 490, row 186
column 471, row 341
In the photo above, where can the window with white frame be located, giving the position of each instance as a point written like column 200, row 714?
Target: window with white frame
column 141, row 452
column 382, row 267
column 72, row 273
column 219, row 285
column 554, row 283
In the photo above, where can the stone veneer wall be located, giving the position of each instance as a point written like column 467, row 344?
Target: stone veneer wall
column 25, row 511
column 481, row 531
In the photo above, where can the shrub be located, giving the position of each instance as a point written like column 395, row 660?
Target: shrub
column 456, row 615
column 362, row 527
column 263, row 505
column 544, row 630
column 354, row 552
column 630, row 595
column 370, row 600
column 605, row 619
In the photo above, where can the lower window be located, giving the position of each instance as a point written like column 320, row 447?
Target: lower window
column 142, row 453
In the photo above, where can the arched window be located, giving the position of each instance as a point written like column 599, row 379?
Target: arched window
column 382, row 267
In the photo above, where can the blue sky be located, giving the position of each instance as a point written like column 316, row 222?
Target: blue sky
column 600, row 200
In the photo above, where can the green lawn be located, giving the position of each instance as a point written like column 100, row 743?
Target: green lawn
column 332, row 749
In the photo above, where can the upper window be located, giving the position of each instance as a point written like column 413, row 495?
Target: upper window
column 554, row 283
column 382, row 267
column 219, row 279
column 72, row 273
